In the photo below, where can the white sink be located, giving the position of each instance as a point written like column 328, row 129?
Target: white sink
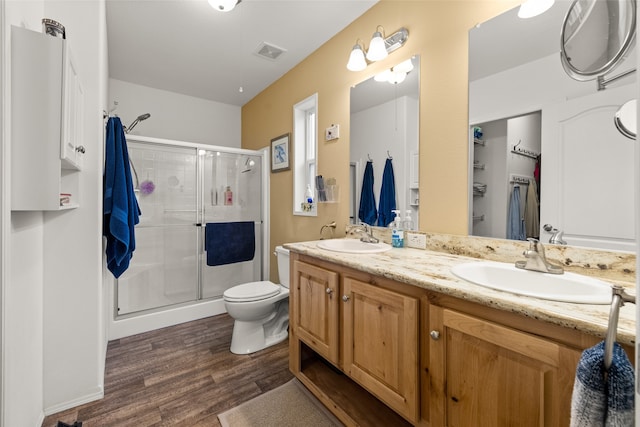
column 567, row 287
column 353, row 246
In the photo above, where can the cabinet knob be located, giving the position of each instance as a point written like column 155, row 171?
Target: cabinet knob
column 345, row 298
column 80, row 149
column 435, row 335
column 329, row 291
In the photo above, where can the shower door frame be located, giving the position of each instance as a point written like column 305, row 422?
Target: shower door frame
column 130, row 318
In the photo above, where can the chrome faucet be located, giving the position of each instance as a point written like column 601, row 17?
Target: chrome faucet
column 556, row 235
column 536, row 259
column 366, row 232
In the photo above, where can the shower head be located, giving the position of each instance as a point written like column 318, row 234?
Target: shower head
column 248, row 165
column 138, row 119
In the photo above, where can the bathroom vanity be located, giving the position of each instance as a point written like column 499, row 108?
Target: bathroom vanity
column 396, row 339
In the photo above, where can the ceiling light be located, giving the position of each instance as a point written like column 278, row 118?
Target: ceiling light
column 224, row 5
column 356, row 59
column 531, row 8
column 377, row 49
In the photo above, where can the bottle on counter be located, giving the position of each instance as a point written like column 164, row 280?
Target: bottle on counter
column 397, row 233
column 408, row 222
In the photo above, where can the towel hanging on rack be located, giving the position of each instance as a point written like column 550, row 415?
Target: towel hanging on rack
column 597, row 401
column 515, row 223
column 387, row 195
column 367, row 212
column 120, row 206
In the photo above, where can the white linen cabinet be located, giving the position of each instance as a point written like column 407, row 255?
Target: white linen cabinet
column 47, row 123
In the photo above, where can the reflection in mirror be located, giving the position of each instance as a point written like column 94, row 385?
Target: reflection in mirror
column 596, row 35
column 384, row 125
column 625, row 119
column 585, row 169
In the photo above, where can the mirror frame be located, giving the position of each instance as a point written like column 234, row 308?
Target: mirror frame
column 582, row 75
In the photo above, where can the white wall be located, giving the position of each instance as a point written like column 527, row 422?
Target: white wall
column 174, row 116
column 54, row 339
column 23, row 290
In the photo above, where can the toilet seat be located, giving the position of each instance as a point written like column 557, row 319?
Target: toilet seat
column 253, row 291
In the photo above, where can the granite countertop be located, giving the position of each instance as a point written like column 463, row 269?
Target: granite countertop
column 431, row 270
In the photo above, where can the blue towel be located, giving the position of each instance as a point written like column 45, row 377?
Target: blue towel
column 367, row 212
column 387, row 196
column 120, row 207
column 515, row 223
column 599, row 402
column 229, row 242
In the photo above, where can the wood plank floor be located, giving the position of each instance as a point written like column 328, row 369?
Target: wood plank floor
column 183, row 375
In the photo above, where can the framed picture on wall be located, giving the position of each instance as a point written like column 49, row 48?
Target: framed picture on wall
column 280, row 153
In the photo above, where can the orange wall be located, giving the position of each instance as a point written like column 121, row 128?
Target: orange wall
column 438, row 32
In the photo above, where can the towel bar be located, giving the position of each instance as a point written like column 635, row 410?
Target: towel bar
column 619, row 298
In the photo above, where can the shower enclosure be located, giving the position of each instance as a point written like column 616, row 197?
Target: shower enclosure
column 180, row 188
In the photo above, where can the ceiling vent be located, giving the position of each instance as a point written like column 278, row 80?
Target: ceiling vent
column 269, row 51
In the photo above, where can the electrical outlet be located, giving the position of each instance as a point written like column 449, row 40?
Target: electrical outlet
column 416, row 240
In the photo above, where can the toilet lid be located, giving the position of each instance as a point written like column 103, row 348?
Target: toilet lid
column 252, row 291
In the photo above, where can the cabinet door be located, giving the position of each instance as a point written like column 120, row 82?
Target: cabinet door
column 486, row 374
column 380, row 344
column 315, row 308
column 71, row 148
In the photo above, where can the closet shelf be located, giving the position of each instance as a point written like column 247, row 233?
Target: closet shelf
column 480, row 142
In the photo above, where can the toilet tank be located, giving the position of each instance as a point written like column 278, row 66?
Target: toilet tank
column 283, row 265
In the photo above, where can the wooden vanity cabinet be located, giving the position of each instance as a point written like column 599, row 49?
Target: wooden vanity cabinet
column 390, row 348
column 370, row 333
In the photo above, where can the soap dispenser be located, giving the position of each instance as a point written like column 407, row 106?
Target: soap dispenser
column 397, row 234
column 408, row 222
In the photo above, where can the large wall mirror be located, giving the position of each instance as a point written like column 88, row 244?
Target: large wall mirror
column 384, row 128
column 538, row 129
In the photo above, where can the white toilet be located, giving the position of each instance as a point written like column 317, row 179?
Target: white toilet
column 260, row 310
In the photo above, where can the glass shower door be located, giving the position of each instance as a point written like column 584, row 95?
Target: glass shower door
column 232, row 193
column 164, row 268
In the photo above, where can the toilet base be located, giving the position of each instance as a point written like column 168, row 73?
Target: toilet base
column 251, row 336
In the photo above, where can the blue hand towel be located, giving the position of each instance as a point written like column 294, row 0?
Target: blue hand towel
column 387, row 196
column 120, row 207
column 367, row 212
column 229, row 242
column 599, row 402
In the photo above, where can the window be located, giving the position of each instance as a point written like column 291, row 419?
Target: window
column 305, row 164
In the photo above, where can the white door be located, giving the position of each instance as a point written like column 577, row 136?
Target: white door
column 587, row 172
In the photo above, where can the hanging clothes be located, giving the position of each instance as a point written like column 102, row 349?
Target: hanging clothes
column 532, row 211
column 367, row 212
column 515, row 223
column 120, row 206
column 387, row 195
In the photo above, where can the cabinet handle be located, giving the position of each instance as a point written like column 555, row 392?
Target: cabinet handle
column 435, row 335
column 329, row 291
column 80, row 149
column 345, row 298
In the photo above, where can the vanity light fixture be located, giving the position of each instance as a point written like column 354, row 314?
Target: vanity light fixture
column 531, row 8
column 224, row 5
column 379, row 49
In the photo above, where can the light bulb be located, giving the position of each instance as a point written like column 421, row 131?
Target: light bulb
column 223, row 5
column 404, row 66
column 383, row 76
column 531, row 8
column 377, row 49
column 356, row 59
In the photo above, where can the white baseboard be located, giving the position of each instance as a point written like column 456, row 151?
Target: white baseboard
column 151, row 321
column 75, row 402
